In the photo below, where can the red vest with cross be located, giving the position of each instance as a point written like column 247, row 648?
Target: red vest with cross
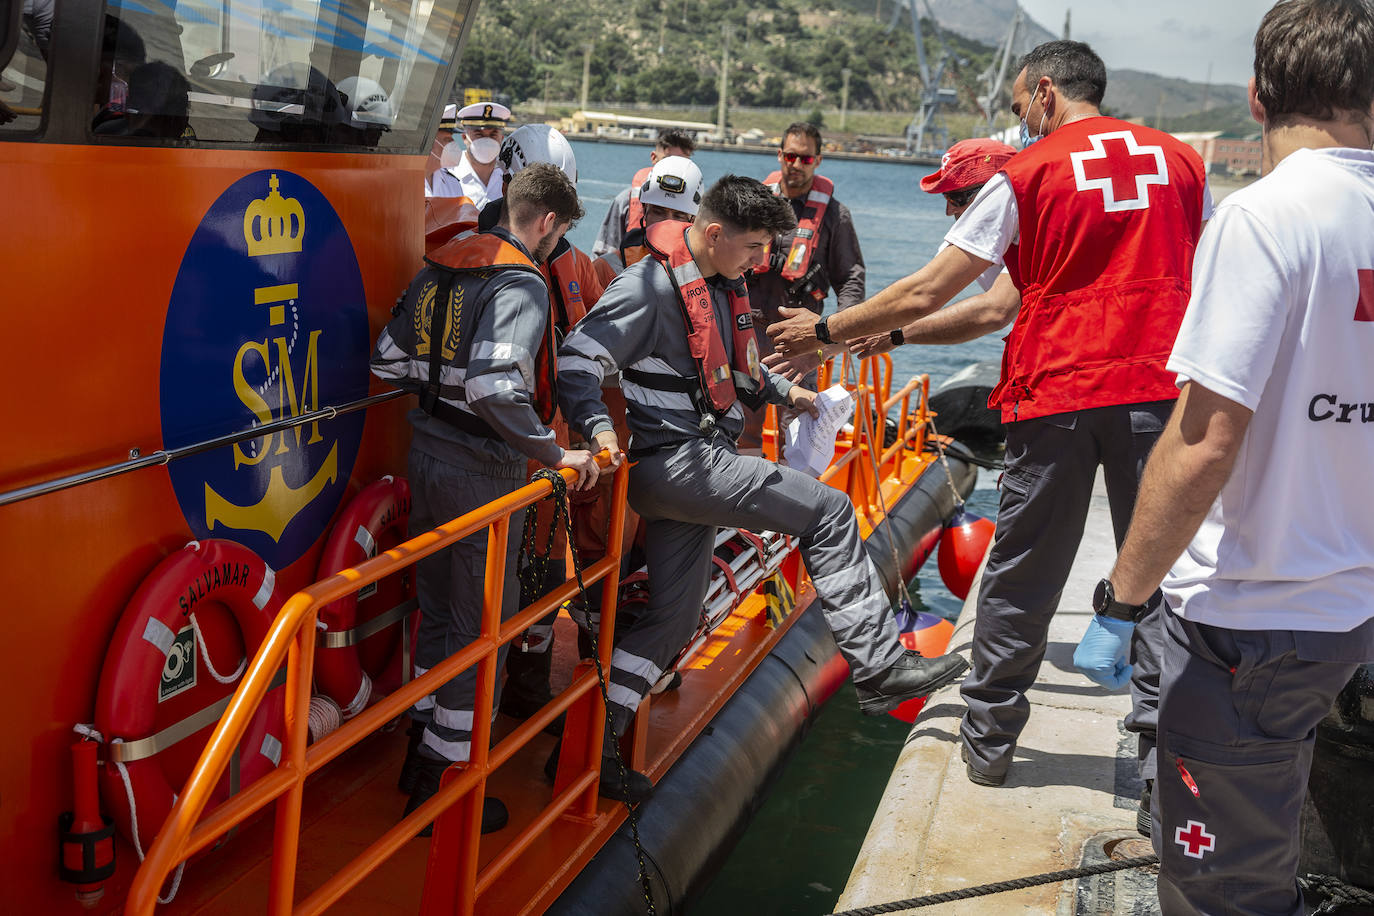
column 1110, row 215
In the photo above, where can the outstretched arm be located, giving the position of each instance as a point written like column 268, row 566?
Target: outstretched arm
column 957, row 323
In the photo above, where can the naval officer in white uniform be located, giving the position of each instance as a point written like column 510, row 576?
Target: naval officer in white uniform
column 471, row 172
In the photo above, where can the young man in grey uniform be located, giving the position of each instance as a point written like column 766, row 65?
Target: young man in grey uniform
column 1256, row 494
column 473, row 433
column 686, row 477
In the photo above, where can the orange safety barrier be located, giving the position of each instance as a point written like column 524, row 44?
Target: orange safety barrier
column 456, row 882
column 292, row 639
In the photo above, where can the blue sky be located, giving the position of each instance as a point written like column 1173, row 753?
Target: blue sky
column 1170, row 37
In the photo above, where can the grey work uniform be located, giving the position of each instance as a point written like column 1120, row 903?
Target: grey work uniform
column 685, row 482
column 489, row 376
column 1051, row 463
column 613, row 228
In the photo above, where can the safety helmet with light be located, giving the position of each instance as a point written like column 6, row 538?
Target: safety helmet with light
column 533, row 143
column 673, row 183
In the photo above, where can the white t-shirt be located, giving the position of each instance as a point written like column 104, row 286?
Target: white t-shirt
column 1281, row 320
column 987, row 277
column 992, row 223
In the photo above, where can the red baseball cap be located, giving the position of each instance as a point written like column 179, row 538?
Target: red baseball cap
column 968, row 163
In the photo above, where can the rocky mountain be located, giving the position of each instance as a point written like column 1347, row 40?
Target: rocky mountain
column 782, row 53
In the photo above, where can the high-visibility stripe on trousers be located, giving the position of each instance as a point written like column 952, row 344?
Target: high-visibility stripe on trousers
column 449, row 585
column 684, row 494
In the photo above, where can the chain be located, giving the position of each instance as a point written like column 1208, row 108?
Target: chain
column 944, row 460
column 561, row 514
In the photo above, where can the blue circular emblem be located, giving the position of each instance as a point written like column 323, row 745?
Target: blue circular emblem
column 267, row 321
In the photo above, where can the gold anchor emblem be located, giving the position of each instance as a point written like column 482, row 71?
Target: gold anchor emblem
column 278, row 506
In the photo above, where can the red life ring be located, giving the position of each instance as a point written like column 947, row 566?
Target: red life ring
column 202, row 611
column 360, row 643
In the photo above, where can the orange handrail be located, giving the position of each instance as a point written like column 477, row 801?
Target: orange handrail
column 292, row 639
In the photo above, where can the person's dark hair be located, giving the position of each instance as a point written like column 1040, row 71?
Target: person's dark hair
column 745, row 205
column 1076, row 69
column 542, row 188
column 1315, row 58
column 807, row 130
column 670, row 137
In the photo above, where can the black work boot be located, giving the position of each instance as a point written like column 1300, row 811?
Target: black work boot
column 428, row 772
column 526, row 690
column 635, row 789
column 414, row 735
column 978, row 777
column 911, row 675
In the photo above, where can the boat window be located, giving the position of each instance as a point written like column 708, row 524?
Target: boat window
column 25, row 28
column 322, row 73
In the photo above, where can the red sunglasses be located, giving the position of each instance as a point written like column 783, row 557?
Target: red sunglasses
column 790, row 158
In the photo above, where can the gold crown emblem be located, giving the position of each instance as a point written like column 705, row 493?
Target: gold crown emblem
column 274, row 225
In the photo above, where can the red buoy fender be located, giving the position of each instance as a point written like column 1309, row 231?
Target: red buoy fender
column 929, row 635
column 962, row 545
column 379, row 513
column 165, row 663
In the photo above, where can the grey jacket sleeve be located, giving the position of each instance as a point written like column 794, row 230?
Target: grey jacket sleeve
column 619, row 331
column 844, row 261
column 500, row 370
column 613, row 226
column 776, row 388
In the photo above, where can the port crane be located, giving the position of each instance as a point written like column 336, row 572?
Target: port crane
column 933, row 96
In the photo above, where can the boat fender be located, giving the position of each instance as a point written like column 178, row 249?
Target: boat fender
column 962, row 545
column 146, row 655
column 380, row 512
column 929, row 635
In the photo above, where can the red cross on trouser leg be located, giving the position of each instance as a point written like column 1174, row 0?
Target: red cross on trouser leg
column 1195, row 839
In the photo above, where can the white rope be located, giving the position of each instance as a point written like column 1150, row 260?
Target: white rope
column 88, row 732
column 209, row 665
column 325, row 716
column 133, row 819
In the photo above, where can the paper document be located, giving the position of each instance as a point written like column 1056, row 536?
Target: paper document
column 809, row 445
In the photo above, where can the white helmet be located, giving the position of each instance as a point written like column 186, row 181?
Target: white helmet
column 368, row 104
column 533, row 143
column 675, row 183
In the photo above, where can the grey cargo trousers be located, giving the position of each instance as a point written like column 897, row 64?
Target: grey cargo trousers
column 1051, row 463
column 449, row 585
column 1238, row 715
column 684, row 493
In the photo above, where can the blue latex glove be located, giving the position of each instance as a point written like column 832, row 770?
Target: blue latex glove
column 1104, row 652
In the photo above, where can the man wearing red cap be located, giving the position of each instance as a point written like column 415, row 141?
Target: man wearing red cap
column 964, row 169
column 1097, row 226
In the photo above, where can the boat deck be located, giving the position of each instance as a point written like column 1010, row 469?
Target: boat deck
column 1070, row 797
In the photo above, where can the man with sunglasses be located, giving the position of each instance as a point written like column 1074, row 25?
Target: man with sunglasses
column 964, row 170
column 470, row 172
column 1097, row 224
column 806, row 263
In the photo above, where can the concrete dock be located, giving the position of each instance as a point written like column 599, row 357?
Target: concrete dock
column 1070, row 797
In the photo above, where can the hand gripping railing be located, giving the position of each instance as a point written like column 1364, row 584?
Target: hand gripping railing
column 292, row 639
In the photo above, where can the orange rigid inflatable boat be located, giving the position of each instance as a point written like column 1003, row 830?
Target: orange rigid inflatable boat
column 202, row 504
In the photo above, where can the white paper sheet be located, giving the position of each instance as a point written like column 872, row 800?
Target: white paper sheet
column 809, row 445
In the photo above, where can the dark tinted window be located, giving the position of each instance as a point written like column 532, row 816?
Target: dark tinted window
column 339, row 73
column 25, row 74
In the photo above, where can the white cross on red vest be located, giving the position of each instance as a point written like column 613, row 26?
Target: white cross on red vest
column 1121, row 169
column 1195, row 839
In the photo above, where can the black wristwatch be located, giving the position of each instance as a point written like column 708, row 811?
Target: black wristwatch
column 823, row 332
column 897, row 337
column 1106, row 605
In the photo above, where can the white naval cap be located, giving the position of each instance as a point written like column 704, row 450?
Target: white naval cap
column 483, row 114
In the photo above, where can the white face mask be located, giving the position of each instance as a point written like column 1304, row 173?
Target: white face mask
column 484, row 149
column 452, row 154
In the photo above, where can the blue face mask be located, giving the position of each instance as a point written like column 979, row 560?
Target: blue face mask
column 1026, row 138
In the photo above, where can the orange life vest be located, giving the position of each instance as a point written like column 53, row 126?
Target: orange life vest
column 486, row 252
column 634, row 214
column 721, row 380
column 808, row 227
column 574, row 285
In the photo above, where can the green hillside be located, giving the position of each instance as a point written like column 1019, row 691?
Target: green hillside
column 783, row 53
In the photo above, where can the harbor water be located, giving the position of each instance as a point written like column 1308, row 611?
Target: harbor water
column 798, row 851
